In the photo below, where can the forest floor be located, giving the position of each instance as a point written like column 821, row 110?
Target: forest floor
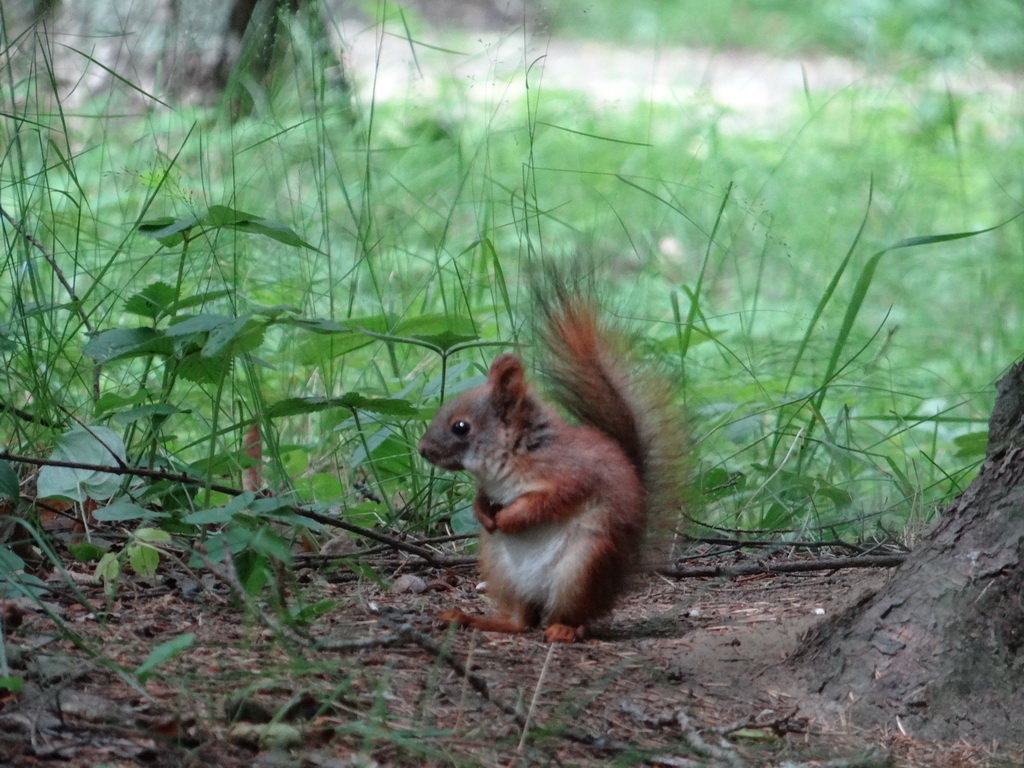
column 686, row 672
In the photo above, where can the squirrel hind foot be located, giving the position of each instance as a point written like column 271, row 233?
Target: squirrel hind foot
column 506, row 624
column 563, row 633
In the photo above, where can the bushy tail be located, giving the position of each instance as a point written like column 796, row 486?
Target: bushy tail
column 588, row 376
column 593, row 378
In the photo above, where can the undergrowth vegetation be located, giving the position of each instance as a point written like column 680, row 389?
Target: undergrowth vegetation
column 293, row 293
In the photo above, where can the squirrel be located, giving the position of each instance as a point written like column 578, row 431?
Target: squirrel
column 563, row 509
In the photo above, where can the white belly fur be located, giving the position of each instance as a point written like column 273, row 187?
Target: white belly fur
column 537, row 561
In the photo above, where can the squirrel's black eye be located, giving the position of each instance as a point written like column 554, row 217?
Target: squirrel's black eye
column 460, row 428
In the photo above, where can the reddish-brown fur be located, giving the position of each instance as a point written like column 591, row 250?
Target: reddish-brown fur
column 562, row 507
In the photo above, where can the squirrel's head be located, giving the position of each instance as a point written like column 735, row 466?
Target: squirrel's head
column 479, row 429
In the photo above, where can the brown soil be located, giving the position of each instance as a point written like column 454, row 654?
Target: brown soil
column 685, row 673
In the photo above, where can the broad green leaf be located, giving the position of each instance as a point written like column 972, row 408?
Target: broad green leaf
column 197, row 324
column 321, row 325
column 119, row 343
column 436, row 323
column 12, row 684
column 366, row 514
column 204, row 370
column 294, row 406
column 95, row 445
column 222, row 216
column 111, row 401
column 198, row 299
column 152, row 301
column 242, row 334
column 211, row 516
column 144, row 559
column 152, row 534
column 972, row 445
column 108, row 569
column 463, row 520
column 9, row 488
column 382, row 405
column 164, row 652
column 146, row 411
column 445, row 341
column 168, row 231
column 217, row 515
column 125, row 510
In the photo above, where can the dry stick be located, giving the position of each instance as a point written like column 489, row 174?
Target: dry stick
column 725, row 754
column 181, row 477
column 536, row 695
column 801, row 566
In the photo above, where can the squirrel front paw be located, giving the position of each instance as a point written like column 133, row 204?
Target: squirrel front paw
column 562, row 633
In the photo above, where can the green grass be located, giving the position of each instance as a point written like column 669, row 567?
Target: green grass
column 820, row 405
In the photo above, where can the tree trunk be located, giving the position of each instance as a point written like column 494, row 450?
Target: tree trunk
column 176, row 50
column 937, row 650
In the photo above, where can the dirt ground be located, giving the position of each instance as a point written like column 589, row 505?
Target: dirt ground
column 686, row 672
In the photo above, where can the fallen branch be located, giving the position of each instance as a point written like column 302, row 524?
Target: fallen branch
column 799, row 566
column 725, row 754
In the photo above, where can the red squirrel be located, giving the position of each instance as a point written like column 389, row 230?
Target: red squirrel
column 563, row 508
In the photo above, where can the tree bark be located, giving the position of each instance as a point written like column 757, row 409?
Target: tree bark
column 937, row 651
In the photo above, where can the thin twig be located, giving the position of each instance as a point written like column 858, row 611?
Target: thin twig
column 478, row 684
column 536, row 695
column 181, row 477
column 26, row 416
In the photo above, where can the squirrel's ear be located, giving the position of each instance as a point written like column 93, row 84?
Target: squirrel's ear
column 508, row 384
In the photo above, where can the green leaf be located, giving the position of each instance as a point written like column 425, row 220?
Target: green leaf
column 203, row 323
column 152, row 301
column 204, row 370
column 242, row 334
column 168, row 231
column 152, row 534
column 86, row 551
column 9, row 487
column 463, row 520
column 120, row 343
column 196, row 300
column 217, row 515
column 222, row 216
column 164, row 652
column 144, row 559
column 294, row 406
column 147, row 411
column 382, row 405
column 12, row 684
column 972, row 445
column 108, row 569
column 125, row 510
column 366, row 514
column 445, row 341
column 92, row 445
